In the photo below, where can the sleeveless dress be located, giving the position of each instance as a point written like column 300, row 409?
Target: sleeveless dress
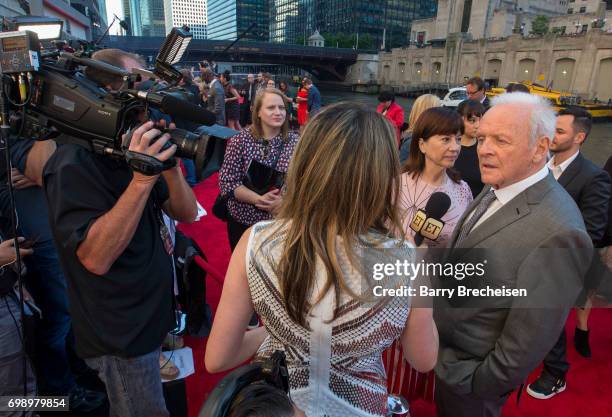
column 302, row 107
column 232, row 108
column 335, row 366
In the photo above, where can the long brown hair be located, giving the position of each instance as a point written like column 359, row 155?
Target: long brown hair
column 433, row 121
column 342, row 183
column 256, row 128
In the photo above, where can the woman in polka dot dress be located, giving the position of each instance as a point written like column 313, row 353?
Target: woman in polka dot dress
column 267, row 141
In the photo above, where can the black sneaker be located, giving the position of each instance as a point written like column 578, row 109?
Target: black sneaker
column 85, row 400
column 546, row 386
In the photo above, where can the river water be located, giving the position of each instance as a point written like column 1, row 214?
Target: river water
column 597, row 148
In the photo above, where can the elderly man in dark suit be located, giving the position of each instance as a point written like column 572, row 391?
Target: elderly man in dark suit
column 532, row 237
column 589, row 186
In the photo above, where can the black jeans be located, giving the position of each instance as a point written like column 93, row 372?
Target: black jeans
column 235, row 230
column 555, row 363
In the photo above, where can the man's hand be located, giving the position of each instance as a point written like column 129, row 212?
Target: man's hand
column 270, row 201
column 141, row 143
column 20, row 181
column 8, row 253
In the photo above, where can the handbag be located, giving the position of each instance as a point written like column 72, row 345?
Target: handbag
column 260, row 178
column 219, row 208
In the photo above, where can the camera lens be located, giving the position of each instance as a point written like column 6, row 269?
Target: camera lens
column 191, row 146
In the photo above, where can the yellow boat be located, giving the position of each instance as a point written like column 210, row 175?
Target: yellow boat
column 561, row 100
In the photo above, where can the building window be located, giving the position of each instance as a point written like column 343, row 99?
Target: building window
column 583, row 10
column 570, row 11
column 421, row 37
column 584, row 28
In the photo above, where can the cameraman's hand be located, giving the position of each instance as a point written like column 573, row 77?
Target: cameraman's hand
column 141, row 142
column 7, row 251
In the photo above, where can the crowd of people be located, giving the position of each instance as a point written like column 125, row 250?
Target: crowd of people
column 233, row 106
column 307, row 196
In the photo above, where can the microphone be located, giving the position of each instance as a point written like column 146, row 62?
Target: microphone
column 427, row 223
column 177, row 107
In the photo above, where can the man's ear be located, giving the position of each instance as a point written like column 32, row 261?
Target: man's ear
column 580, row 138
column 541, row 152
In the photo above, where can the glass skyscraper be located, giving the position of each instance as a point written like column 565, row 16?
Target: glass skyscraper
column 295, row 20
column 145, row 17
column 228, row 19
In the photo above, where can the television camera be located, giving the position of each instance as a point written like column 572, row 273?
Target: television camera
column 45, row 94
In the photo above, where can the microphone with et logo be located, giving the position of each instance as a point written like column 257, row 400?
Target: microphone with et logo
column 428, row 223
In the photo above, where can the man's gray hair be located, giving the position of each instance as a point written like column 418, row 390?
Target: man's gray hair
column 543, row 118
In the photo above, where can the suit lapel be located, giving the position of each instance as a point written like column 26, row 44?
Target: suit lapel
column 467, row 211
column 510, row 212
column 571, row 171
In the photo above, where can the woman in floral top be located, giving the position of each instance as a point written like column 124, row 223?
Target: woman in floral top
column 267, row 141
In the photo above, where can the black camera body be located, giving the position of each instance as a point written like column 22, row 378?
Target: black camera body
column 57, row 101
column 73, row 105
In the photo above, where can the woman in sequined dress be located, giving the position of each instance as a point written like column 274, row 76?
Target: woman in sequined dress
column 303, row 273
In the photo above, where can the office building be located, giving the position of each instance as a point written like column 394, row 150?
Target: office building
column 145, row 17
column 384, row 23
column 228, row 19
column 192, row 13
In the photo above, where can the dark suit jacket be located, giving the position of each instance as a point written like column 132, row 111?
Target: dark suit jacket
column 537, row 241
column 253, row 90
column 608, row 238
column 486, row 103
column 314, row 100
column 589, row 186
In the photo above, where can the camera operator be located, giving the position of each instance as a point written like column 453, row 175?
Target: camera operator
column 116, row 252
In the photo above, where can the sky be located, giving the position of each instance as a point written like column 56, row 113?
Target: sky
column 114, row 7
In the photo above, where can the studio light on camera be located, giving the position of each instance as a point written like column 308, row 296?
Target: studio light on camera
column 46, row 28
column 175, row 46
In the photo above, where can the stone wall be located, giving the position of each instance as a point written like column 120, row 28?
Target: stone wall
column 580, row 64
column 364, row 71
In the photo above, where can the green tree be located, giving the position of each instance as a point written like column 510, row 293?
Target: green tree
column 366, row 41
column 540, row 25
column 299, row 40
column 330, row 39
column 346, row 40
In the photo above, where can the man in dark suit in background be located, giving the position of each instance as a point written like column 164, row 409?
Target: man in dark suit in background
column 589, row 186
column 314, row 97
column 531, row 236
column 475, row 89
column 248, row 91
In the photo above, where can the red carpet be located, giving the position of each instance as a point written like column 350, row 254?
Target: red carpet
column 589, row 381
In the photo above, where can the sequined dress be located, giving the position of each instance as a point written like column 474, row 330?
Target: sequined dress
column 335, row 366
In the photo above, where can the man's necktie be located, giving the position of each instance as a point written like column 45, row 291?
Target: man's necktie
column 477, row 213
